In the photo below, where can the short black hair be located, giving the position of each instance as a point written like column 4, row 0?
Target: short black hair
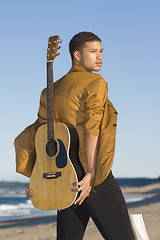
column 78, row 40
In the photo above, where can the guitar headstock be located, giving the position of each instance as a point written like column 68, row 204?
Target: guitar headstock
column 53, row 43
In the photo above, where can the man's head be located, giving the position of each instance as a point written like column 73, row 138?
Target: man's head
column 78, row 41
column 86, row 51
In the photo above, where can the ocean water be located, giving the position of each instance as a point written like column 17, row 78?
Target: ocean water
column 14, row 204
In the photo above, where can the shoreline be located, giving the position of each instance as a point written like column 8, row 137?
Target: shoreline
column 130, row 198
column 44, row 227
column 149, row 208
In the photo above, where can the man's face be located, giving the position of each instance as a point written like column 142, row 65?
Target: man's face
column 90, row 57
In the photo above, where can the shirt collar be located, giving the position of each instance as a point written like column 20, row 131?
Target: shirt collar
column 76, row 68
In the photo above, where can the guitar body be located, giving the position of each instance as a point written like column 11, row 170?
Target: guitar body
column 52, row 176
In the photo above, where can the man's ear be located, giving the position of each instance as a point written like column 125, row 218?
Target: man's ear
column 76, row 55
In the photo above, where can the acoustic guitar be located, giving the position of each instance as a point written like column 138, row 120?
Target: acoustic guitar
column 54, row 172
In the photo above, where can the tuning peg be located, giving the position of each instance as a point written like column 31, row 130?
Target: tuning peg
column 57, row 54
column 59, row 47
column 60, row 40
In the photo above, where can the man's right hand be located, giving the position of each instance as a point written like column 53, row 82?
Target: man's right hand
column 84, row 186
column 29, row 193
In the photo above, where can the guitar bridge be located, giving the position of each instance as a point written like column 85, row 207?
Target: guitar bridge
column 51, row 175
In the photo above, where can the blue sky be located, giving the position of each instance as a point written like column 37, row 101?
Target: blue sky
column 130, row 36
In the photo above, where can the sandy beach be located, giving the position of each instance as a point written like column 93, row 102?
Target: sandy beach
column 44, row 227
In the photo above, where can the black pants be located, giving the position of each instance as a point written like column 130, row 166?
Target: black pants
column 106, row 206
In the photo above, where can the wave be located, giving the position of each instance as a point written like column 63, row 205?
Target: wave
column 11, row 192
column 136, row 198
column 12, row 211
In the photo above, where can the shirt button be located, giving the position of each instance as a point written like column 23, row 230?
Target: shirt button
column 115, row 125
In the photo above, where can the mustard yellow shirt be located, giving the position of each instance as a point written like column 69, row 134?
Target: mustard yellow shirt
column 81, row 99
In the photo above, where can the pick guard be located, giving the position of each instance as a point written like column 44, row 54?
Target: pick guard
column 61, row 159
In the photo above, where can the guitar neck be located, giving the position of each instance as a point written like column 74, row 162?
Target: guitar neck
column 50, row 102
column 51, row 54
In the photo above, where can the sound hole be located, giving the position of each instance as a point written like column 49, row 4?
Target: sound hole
column 51, row 148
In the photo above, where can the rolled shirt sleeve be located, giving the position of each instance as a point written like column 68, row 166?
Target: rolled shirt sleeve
column 95, row 97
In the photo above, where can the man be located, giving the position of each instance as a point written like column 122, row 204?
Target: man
column 81, row 99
